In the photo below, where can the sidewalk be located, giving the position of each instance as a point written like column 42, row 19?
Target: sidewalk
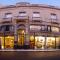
column 30, row 50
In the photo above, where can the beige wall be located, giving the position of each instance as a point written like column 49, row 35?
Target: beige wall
column 44, row 12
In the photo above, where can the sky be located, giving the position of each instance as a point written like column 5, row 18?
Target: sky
column 48, row 2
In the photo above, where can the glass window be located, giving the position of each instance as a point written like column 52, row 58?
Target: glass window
column 11, row 28
column 8, row 42
column 43, row 28
column 53, row 16
column 58, row 42
column 48, row 28
column 8, row 15
column 5, row 28
column 39, row 42
column 22, row 14
column 33, row 27
column 55, row 29
column 36, row 14
column 50, row 42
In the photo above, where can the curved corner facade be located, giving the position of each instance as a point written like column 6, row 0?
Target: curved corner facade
column 29, row 26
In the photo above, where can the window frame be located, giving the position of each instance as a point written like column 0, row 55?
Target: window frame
column 53, row 27
column 22, row 13
column 8, row 15
column 35, row 15
column 53, row 16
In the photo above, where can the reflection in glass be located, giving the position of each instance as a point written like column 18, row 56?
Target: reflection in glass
column 50, row 42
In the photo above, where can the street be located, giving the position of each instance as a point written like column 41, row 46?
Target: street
column 32, row 55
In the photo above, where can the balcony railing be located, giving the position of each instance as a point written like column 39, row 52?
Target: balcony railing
column 37, row 19
column 21, row 17
column 6, row 20
column 56, row 21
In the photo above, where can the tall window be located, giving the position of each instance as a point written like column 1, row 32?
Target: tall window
column 33, row 27
column 36, row 14
column 54, row 29
column 43, row 28
column 22, row 14
column 8, row 15
column 49, row 28
column 53, row 16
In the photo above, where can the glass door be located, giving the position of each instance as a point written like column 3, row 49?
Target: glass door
column 21, row 37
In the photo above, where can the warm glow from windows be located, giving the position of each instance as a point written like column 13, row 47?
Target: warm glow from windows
column 7, row 42
column 33, row 27
column 31, row 38
column 39, row 42
column 50, row 42
column 23, row 32
column 55, row 29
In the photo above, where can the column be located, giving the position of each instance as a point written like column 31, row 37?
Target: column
column 16, row 36
column 26, row 42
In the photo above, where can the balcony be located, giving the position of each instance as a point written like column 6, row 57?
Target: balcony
column 6, row 20
column 54, row 21
column 37, row 19
column 21, row 17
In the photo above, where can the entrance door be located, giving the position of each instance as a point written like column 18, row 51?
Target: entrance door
column 21, row 37
column 39, row 42
column 20, row 41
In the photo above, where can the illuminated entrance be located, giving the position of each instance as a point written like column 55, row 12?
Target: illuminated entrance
column 21, row 37
column 7, row 42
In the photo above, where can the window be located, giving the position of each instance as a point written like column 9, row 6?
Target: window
column 11, row 28
column 7, row 28
column 55, row 29
column 53, row 16
column 48, row 28
column 33, row 27
column 22, row 14
column 8, row 15
column 43, row 28
column 36, row 14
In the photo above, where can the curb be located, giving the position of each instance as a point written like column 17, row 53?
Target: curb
column 31, row 50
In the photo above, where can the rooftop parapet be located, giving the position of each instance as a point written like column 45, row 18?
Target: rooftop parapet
column 22, row 3
column 29, row 5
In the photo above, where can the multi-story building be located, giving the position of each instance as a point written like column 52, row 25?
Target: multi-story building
column 29, row 26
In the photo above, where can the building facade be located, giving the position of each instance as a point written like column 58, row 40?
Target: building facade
column 29, row 26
